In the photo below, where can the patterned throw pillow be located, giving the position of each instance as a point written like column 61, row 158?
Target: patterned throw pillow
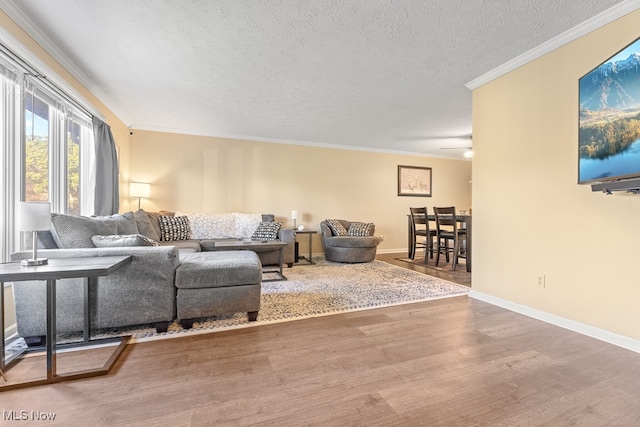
column 267, row 231
column 174, row 228
column 336, row 227
column 360, row 229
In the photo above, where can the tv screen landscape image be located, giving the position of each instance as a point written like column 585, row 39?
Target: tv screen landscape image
column 609, row 133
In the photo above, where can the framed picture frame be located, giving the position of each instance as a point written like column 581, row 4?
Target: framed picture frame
column 414, row 181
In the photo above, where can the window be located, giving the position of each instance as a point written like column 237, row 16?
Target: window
column 36, row 149
column 74, row 139
column 46, row 152
column 55, row 137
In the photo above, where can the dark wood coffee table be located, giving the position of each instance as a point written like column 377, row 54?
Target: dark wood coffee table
column 236, row 245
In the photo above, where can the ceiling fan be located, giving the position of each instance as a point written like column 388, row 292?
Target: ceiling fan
column 438, row 140
column 468, row 149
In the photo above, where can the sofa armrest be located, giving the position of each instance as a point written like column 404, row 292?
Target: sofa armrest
column 169, row 252
column 325, row 231
column 287, row 235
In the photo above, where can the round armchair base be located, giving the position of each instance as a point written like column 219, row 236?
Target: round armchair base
column 350, row 255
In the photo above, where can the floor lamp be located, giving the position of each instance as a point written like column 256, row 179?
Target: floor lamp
column 139, row 190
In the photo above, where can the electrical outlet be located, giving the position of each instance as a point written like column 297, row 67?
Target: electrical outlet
column 541, row 281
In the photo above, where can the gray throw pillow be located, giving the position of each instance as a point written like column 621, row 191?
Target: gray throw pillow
column 72, row 231
column 116, row 240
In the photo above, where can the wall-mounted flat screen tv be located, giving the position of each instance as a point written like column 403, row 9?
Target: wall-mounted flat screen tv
column 609, row 134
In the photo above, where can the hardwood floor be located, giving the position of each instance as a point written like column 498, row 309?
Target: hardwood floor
column 450, row 362
column 459, row 276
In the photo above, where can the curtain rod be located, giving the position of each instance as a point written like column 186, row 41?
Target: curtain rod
column 33, row 72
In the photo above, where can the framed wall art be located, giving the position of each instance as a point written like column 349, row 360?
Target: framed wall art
column 414, row 181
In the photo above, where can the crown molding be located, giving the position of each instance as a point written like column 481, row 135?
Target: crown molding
column 9, row 7
column 568, row 36
column 253, row 138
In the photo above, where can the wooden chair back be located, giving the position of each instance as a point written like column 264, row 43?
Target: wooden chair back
column 446, row 220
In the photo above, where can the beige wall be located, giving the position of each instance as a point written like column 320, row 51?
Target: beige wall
column 530, row 216
column 202, row 174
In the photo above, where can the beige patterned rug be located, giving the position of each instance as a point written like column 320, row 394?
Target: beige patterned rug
column 317, row 290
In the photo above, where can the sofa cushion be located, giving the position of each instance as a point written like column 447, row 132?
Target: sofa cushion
column 218, row 269
column 145, row 227
column 184, row 246
column 125, row 223
column 336, row 227
column 267, row 231
column 72, row 231
column 46, row 240
column 174, row 228
column 155, row 223
column 246, row 224
column 119, row 240
column 360, row 229
column 210, row 226
column 222, row 225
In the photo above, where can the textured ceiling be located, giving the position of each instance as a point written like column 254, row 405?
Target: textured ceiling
column 382, row 75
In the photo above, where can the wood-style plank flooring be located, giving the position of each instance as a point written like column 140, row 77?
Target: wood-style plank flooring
column 442, row 271
column 449, row 362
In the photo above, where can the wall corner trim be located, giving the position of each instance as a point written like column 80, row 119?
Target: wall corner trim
column 581, row 328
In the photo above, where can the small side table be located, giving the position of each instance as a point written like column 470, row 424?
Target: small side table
column 257, row 244
column 60, row 268
column 309, row 260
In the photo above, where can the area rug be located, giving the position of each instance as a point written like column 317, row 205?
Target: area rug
column 318, row 290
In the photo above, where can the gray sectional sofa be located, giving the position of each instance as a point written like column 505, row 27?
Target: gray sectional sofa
column 145, row 290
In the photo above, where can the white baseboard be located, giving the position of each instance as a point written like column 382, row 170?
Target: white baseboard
column 400, row 252
column 392, row 251
column 588, row 330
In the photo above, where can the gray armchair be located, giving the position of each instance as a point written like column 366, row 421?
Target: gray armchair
column 349, row 248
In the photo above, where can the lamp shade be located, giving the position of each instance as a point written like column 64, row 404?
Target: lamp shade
column 139, row 189
column 294, row 214
column 34, row 216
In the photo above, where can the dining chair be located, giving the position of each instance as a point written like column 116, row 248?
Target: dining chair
column 447, row 231
column 420, row 228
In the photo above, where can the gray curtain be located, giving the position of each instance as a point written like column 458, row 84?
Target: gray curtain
column 107, row 193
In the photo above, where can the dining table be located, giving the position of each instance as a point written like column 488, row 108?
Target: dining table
column 463, row 220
